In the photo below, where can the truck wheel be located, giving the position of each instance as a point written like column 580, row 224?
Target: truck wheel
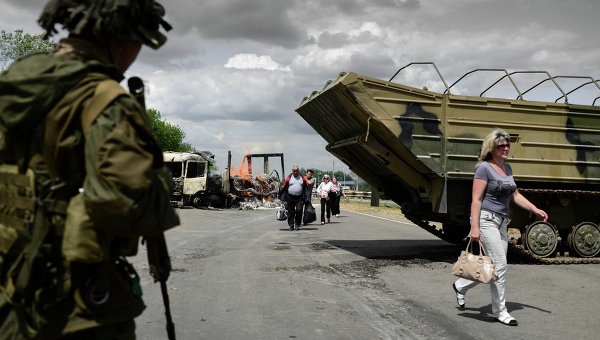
column 584, row 239
column 197, row 201
column 541, row 238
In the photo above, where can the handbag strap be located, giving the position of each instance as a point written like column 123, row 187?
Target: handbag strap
column 469, row 248
column 482, row 249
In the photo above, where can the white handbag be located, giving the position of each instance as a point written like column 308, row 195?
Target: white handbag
column 475, row 267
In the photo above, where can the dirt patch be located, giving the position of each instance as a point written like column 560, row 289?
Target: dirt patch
column 370, row 267
column 194, row 255
column 361, row 273
column 306, row 268
column 282, row 246
column 366, row 272
column 179, row 270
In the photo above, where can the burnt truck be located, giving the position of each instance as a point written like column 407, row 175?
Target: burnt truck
column 195, row 185
column 420, row 148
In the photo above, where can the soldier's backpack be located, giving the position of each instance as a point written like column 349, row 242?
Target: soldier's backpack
column 34, row 287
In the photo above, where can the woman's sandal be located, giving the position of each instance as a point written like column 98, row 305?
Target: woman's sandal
column 507, row 319
column 460, row 298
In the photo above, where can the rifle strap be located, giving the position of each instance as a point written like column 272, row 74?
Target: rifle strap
column 106, row 91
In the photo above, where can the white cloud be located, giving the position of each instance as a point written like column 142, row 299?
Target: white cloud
column 369, row 27
column 252, row 61
column 215, row 93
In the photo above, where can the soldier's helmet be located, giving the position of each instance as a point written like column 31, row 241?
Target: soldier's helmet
column 105, row 20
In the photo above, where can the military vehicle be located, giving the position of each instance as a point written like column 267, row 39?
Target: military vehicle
column 421, row 147
column 194, row 185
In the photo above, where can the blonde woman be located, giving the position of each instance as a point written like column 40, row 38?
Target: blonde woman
column 493, row 189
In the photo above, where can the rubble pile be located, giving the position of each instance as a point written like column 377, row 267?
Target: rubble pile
column 259, row 185
column 256, row 204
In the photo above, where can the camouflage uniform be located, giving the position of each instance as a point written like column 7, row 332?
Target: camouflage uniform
column 98, row 186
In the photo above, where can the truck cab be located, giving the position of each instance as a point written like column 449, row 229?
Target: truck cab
column 190, row 177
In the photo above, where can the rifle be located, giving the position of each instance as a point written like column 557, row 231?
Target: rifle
column 160, row 267
column 156, row 246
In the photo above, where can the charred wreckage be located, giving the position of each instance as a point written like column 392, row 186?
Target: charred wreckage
column 195, row 185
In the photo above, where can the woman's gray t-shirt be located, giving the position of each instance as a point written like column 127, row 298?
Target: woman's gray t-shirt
column 496, row 197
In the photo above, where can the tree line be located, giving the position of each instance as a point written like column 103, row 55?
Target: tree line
column 17, row 44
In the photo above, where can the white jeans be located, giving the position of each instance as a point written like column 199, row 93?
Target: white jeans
column 494, row 238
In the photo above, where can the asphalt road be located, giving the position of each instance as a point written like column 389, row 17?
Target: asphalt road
column 242, row 275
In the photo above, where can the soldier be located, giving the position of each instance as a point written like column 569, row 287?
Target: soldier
column 81, row 176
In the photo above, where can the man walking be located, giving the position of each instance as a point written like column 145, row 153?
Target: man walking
column 295, row 193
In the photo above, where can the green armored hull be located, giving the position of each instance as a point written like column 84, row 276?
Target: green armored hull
column 421, row 147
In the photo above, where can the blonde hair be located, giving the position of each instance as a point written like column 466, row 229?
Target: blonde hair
column 490, row 142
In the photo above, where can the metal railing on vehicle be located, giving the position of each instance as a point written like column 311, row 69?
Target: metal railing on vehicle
column 423, row 63
column 510, row 77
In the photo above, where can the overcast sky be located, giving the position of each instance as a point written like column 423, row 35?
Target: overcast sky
column 233, row 71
